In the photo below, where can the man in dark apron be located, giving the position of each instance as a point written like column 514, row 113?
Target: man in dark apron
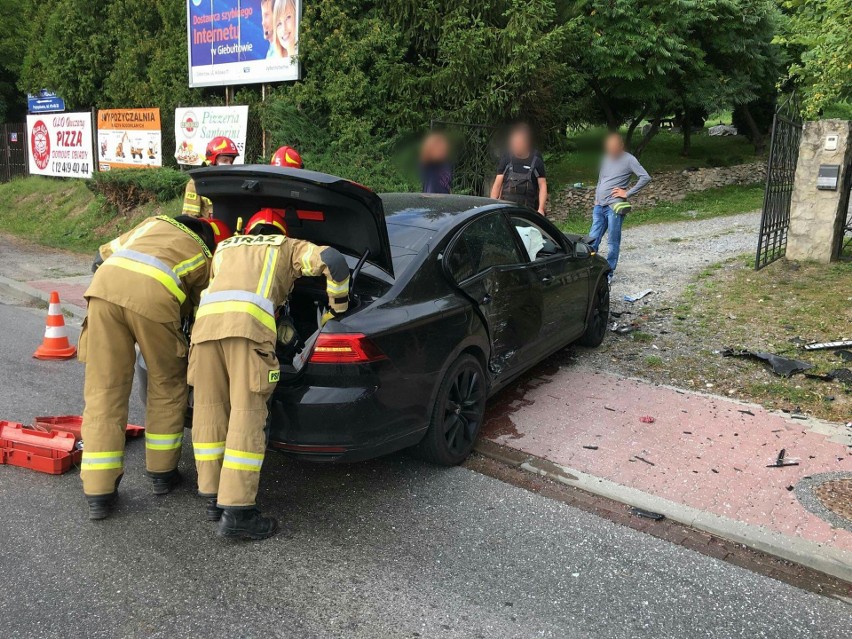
column 521, row 177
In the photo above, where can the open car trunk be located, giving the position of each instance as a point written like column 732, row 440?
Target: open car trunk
column 316, row 207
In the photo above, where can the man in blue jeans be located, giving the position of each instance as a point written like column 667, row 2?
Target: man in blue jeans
column 611, row 195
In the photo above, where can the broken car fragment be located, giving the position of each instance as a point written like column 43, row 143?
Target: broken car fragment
column 783, row 366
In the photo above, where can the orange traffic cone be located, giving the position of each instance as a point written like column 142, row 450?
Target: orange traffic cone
column 55, row 344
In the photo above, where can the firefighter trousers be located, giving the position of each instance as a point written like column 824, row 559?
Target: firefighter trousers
column 107, row 347
column 233, row 379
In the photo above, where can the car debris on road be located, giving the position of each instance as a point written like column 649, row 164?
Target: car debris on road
column 783, row 366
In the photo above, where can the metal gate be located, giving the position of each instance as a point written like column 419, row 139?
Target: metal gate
column 14, row 161
column 473, row 151
column 780, row 173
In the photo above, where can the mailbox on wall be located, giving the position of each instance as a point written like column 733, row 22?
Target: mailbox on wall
column 828, row 176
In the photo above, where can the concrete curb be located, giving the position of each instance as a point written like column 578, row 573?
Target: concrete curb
column 837, row 563
column 25, row 292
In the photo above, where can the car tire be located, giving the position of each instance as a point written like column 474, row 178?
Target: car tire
column 598, row 317
column 457, row 414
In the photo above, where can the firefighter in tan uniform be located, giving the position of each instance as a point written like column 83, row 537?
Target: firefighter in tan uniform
column 233, row 367
column 145, row 282
column 220, row 150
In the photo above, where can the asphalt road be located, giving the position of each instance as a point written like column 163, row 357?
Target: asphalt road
column 391, row 548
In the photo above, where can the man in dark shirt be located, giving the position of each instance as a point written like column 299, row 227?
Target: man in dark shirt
column 521, row 177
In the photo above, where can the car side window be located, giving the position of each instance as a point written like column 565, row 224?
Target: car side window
column 538, row 243
column 485, row 243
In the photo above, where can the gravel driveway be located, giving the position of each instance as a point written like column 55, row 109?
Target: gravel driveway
column 665, row 257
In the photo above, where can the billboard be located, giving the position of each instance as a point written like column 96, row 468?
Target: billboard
column 242, row 41
column 129, row 138
column 61, row 144
column 196, row 126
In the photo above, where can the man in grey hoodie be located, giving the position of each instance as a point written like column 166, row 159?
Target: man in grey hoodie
column 611, row 195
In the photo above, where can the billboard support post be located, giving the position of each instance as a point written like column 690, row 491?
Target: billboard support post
column 95, row 163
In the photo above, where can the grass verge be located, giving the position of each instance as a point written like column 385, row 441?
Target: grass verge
column 65, row 214
column 733, row 306
column 698, row 205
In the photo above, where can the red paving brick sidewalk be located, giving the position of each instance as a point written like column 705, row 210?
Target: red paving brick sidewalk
column 701, row 452
column 70, row 289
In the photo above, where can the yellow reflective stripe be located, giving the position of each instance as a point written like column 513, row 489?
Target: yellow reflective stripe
column 208, row 451
column 264, row 284
column 307, row 269
column 163, row 442
column 191, row 195
column 333, row 287
column 215, row 308
column 187, row 266
column 242, row 460
column 115, row 245
column 107, row 460
column 150, row 271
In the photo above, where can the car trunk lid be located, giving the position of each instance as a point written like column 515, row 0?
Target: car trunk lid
column 321, row 208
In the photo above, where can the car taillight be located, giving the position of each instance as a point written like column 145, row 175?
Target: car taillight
column 345, row 348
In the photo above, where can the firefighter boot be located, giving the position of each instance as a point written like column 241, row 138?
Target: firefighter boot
column 246, row 523
column 164, row 483
column 100, row 506
column 214, row 513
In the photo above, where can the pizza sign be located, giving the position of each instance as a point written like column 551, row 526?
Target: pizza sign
column 40, row 144
column 61, row 145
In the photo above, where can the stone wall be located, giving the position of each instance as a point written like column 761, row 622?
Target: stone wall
column 670, row 186
column 816, row 217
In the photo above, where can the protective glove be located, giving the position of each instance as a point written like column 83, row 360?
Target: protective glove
column 287, row 332
column 97, row 263
column 329, row 314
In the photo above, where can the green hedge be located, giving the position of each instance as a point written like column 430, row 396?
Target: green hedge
column 125, row 189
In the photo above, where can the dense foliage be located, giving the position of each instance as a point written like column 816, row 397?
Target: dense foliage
column 819, row 35
column 376, row 72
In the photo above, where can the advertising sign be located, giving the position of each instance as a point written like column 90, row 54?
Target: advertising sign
column 61, row 144
column 242, row 41
column 129, row 138
column 45, row 102
column 196, row 126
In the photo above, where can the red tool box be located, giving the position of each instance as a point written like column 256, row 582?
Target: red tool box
column 72, row 423
column 51, row 452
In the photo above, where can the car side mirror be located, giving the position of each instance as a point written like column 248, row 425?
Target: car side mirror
column 582, row 250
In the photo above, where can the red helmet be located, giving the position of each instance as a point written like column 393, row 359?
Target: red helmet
column 221, row 231
column 220, row 145
column 273, row 217
column 287, row 156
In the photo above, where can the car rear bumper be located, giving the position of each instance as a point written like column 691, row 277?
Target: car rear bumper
column 343, row 424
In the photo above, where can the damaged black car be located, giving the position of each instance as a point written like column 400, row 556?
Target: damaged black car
column 452, row 298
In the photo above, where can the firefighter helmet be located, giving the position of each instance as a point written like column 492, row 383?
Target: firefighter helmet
column 289, row 157
column 267, row 217
column 221, row 231
column 220, row 145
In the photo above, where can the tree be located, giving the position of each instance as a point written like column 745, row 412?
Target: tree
column 671, row 58
column 15, row 25
column 818, row 36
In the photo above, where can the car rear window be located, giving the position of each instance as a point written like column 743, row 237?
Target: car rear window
column 406, row 242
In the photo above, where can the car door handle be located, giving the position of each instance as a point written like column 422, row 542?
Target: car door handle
column 486, row 300
column 547, row 279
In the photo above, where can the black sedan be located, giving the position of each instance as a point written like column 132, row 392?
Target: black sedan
column 453, row 297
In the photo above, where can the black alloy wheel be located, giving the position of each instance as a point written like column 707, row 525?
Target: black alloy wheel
column 599, row 317
column 457, row 415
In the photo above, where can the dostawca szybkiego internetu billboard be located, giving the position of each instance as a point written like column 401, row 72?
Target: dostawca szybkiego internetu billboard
column 242, row 41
